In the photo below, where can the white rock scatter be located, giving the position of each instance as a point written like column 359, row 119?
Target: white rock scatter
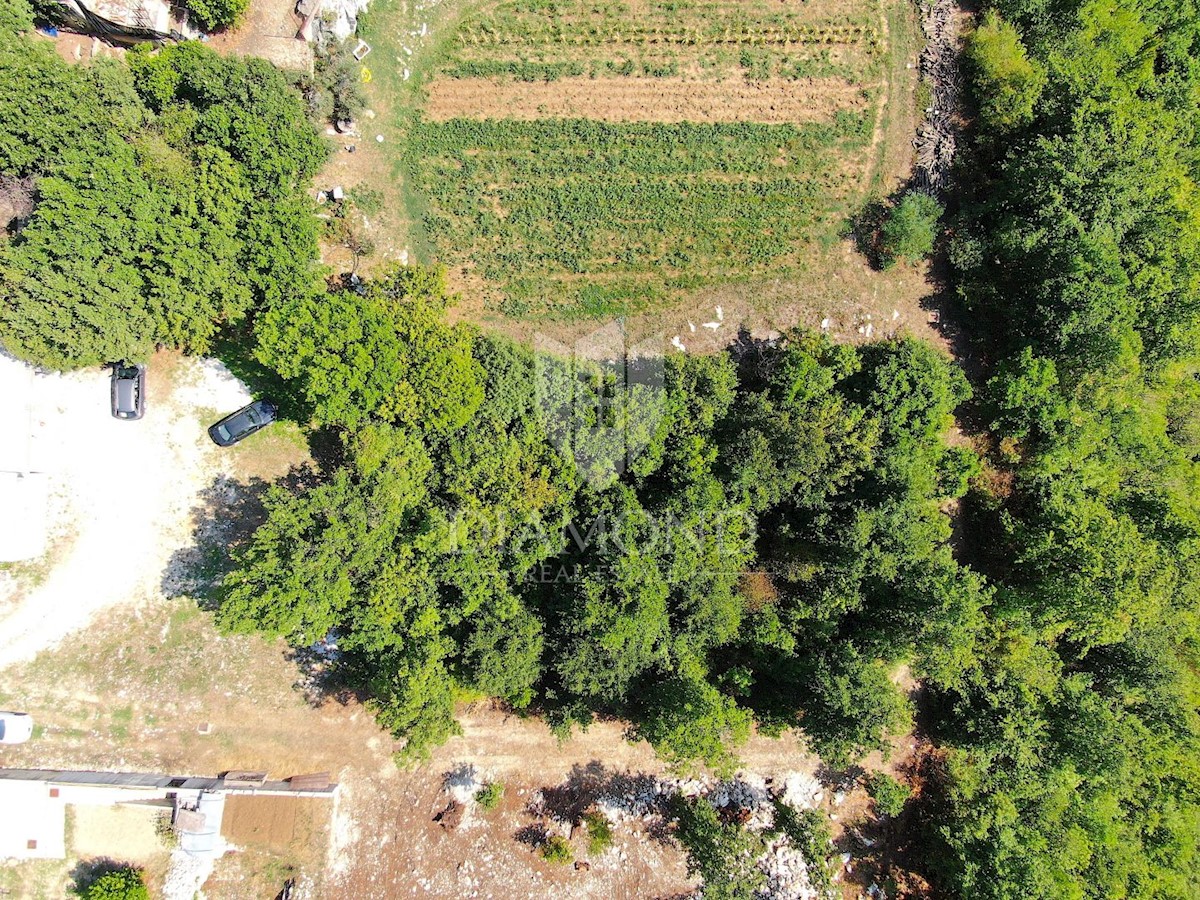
column 747, row 797
column 186, row 874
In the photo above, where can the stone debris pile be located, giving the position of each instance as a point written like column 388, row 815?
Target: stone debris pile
column 787, row 873
column 802, row 791
column 637, row 797
column 747, row 799
column 463, row 783
column 333, row 18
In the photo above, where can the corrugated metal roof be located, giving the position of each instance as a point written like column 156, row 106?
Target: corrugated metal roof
column 169, row 782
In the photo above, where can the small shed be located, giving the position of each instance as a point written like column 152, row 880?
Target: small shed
column 199, row 824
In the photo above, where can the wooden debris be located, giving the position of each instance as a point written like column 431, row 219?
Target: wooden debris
column 450, row 817
column 240, row 779
column 316, row 781
column 936, row 138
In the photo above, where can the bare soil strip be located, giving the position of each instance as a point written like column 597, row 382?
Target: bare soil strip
column 644, row 100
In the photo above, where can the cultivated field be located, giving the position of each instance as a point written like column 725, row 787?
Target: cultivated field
column 573, row 160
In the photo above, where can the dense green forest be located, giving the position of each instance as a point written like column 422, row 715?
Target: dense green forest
column 168, row 199
column 441, row 552
column 779, row 544
column 1073, row 739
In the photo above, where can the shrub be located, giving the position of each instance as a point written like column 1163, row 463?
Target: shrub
column 889, row 794
column 218, row 14
column 809, row 833
column 336, row 84
column 1007, row 83
column 488, row 797
column 910, row 231
column 120, row 884
column 723, row 855
column 165, row 829
column 16, row 16
column 956, row 469
column 557, row 849
column 600, row 836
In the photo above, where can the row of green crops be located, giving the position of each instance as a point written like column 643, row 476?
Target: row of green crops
column 717, row 18
column 578, row 217
column 535, row 39
column 715, row 33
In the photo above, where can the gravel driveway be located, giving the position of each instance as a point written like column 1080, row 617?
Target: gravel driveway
column 122, row 493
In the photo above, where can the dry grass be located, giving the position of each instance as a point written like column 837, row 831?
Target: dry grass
column 132, row 693
column 644, row 100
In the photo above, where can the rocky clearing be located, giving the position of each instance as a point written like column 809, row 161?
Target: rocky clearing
column 122, row 491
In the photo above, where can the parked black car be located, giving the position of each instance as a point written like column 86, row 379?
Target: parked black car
column 128, row 391
column 243, row 423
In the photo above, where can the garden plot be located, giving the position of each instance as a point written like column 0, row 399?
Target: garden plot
column 711, row 40
column 575, row 217
column 575, row 160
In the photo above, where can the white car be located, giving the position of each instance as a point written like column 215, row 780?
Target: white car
column 15, row 727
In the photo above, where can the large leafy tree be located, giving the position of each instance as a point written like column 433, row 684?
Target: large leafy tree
column 1070, row 741
column 382, row 354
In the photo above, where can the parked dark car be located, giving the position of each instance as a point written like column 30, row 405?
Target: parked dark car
column 243, row 423
column 128, row 391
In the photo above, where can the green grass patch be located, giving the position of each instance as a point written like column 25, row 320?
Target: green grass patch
column 557, row 849
column 514, row 37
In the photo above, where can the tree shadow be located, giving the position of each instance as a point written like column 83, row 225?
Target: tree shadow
column 225, row 518
column 755, row 358
column 866, row 226
column 236, row 351
column 844, row 779
column 464, row 775
column 325, row 675
column 226, row 515
column 532, row 835
column 637, row 794
column 567, row 802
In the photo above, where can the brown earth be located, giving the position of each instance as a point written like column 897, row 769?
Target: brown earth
column 644, row 99
column 268, row 30
column 275, row 823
